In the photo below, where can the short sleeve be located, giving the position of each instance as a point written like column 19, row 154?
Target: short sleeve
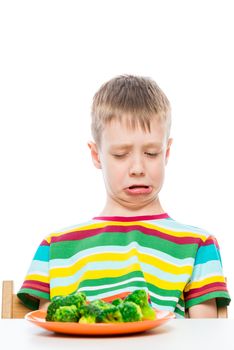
column 36, row 284
column 207, row 280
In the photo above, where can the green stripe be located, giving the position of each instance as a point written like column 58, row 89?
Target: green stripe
column 138, row 284
column 225, row 299
column 178, row 311
column 66, row 249
column 181, row 303
column 164, row 292
column 110, row 280
column 163, row 302
column 33, row 304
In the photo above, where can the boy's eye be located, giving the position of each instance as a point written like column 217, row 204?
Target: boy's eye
column 124, row 154
column 119, row 155
column 151, row 154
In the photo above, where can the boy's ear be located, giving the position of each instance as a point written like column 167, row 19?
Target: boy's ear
column 169, row 142
column 94, row 154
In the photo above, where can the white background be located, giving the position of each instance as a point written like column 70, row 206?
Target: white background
column 54, row 56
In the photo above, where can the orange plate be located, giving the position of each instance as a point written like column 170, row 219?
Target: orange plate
column 38, row 318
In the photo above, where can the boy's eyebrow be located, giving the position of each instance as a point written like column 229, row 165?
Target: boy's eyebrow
column 128, row 146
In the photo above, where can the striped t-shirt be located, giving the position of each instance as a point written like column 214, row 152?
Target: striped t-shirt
column 107, row 257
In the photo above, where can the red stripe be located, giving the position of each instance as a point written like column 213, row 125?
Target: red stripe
column 36, row 282
column 203, row 290
column 132, row 218
column 78, row 235
column 210, row 240
column 44, row 287
column 208, row 290
column 44, row 242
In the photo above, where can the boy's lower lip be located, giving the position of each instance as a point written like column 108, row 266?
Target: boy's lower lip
column 138, row 190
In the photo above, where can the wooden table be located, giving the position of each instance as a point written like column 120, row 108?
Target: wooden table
column 189, row 334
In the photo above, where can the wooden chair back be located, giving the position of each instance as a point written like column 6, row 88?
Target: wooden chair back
column 12, row 307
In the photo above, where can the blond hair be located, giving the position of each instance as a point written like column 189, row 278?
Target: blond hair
column 135, row 100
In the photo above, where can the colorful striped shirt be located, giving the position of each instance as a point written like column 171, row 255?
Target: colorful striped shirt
column 178, row 265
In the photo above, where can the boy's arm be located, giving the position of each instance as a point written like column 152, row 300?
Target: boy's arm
column 207, row 309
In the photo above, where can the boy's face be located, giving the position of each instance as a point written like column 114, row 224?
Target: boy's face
column 133, row 163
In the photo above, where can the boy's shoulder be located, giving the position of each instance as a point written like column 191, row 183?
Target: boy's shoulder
column 78, row 226
column 177, row 226
column 88, row 224
column 84, row 225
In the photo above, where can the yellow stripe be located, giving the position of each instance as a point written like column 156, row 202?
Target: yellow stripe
column 117, row 223
column 165, row 266
column 206, row 281
column 63, row 290
column 162, row 283
column 105, row 257
column 37, row 278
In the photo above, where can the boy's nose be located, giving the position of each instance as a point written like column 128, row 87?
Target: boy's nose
column 137, row 173
column 136, row 168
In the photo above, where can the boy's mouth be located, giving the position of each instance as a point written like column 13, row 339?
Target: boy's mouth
column 138, row 189
column 138, row 186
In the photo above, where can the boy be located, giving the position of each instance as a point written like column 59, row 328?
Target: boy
column 133, row 243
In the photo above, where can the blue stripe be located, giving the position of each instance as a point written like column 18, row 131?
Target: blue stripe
column 178, row 227
column 39, row 267
column 207, row 253
column 162, row 275
column 42, row 253
column 207, row 269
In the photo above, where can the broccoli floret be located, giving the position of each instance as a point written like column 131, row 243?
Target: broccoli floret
column 89, row 313
column 98, row 311
column 77, row 299
column 66, row 314
column 130, row 311
column 140, row 298
column 101, row 304
column 117, row 301
column 109, row 314
column 56, row 302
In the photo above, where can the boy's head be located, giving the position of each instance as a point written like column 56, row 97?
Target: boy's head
column 133, row 100
column 131, row 126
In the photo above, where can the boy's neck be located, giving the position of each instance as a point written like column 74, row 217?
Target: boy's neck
column 116, row 210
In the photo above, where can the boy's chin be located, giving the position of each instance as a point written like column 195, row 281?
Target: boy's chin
column 136, row 203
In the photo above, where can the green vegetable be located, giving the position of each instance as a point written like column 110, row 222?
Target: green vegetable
column 130, row 311
column 101, row 304
column 117, row 301
column 109, row 314
column 66, row 314
column 77, row 299
column 140, row 298
column 75, row 308
column 89, row 313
